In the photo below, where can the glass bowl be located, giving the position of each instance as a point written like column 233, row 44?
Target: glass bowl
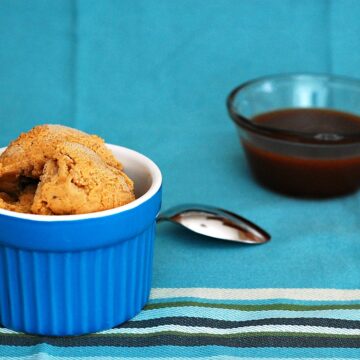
column 300, row 132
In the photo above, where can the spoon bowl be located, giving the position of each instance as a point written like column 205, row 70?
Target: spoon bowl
column 215, row 223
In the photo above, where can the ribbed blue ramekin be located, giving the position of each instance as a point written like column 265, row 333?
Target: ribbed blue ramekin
column 77, row 274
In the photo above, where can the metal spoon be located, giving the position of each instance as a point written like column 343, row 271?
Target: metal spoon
column 216, row 223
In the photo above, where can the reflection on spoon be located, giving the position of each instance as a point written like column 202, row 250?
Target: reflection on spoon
column 216, row 223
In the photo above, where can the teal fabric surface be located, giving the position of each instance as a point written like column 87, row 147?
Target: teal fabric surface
column 153, row 76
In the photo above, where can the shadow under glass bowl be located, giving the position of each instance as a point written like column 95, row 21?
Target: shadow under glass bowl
column 309, row 146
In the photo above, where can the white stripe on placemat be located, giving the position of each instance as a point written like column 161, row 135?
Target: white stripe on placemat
column 256, row 294
column 236, row 330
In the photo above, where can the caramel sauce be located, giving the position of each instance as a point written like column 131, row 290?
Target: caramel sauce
column 306, row 169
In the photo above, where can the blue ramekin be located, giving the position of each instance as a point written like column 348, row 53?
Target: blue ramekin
column 78, row 274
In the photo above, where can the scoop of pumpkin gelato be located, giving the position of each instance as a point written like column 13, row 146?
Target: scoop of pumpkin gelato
column 27, row 155
column 56, row 170
column 77, row 181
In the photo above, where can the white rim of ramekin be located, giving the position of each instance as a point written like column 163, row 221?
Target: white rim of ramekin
column 154, row 188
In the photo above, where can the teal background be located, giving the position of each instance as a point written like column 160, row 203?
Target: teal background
column 153, row 75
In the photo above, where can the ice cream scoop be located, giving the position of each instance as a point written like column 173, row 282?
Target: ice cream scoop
column 57, row 170
column 25, row 157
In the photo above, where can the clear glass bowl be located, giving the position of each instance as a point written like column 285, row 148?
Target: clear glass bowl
column 301, row 155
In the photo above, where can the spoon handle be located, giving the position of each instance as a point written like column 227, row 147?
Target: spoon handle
column 161, row 218
column 169, row 213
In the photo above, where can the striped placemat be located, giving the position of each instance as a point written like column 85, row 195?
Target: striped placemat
column 215, row 323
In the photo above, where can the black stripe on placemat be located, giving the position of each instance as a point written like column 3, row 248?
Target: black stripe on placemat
column 229, row 324
column 298, row 341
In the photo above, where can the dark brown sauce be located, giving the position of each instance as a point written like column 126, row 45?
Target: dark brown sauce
column 311, row 121
column 301, row 169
